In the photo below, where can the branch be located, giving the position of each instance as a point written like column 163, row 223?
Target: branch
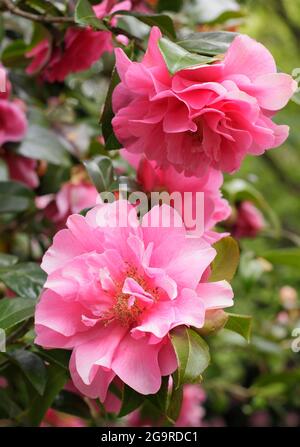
column 10, row 6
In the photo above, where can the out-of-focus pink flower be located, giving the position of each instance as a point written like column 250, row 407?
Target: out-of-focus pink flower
column 22, row 169
column 82, row 47
column 153, row 178
column 115, row 289
column 55, row 418
column 249, row 221
column 192, row 412
column 205, row 116
column 71, row 198
column 3, row 382
column 5, row 86
column 260, row 419
column 40, row 55
column 13, row 123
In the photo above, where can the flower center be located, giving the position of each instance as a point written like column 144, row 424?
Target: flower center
column 128, row 307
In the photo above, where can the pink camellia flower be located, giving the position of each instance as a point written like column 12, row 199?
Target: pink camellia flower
column 249, row 221
column 22, row 169
column 71, row 198
column 208, row 115
column 13, row 123
column 40, row 55
column 82, row 47
column 116, row 287
column 154, row 178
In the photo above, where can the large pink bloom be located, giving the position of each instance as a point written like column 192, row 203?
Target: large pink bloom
column 209, row 115
column 114, row 292
column 154, row 178
column 82, row 47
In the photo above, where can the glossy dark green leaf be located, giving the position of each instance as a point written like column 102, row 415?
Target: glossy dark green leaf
column 169, row 5
column 25, row 279
column 160, row 399
column 41, row 143
column 13, row 56
column 8, row 407
column 226, row 262
column 162, row 21
column 84, row 15
column 14, row 311
column 175, row 404
column 60, row 357
column 131, row 400
column 71, row 403
column 209, row 43
column 177, row 58
column 241, row 324
column 7, row 260
column 15, row 197
column 57, row 378
column 32, row 367
column 101, row 172
column 192, row 355
column 111, row 141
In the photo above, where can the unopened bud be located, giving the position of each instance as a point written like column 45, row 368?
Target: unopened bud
column 215, row 320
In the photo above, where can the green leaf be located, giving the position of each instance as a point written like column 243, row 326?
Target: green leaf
column 131, row 400
column 283, row 256
column 192, row 355
column 32, row 367
column 241, row 324
column 101, row 172
column 160, row 399
column 175, row 404
column 71, row 403
column 177, row 58
column 7, row 260
column 238, row 190
column 162, row 21
column 8, row 407
column 84, row 15
column 13, row 54
column 210, row 43
column 4, row 174
column 169, row 5
column 41, row 143
column 57, row 378
column 227, row 260
column 14, row 311
column 111, row 141
column 25, row 279
column 15, row 197
column 59, row 357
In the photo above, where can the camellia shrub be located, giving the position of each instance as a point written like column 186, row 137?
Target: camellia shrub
column 125, row 213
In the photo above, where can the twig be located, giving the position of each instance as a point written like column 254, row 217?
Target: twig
column 10, row 6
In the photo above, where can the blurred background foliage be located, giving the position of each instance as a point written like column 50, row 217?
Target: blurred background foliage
column 254, row 383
